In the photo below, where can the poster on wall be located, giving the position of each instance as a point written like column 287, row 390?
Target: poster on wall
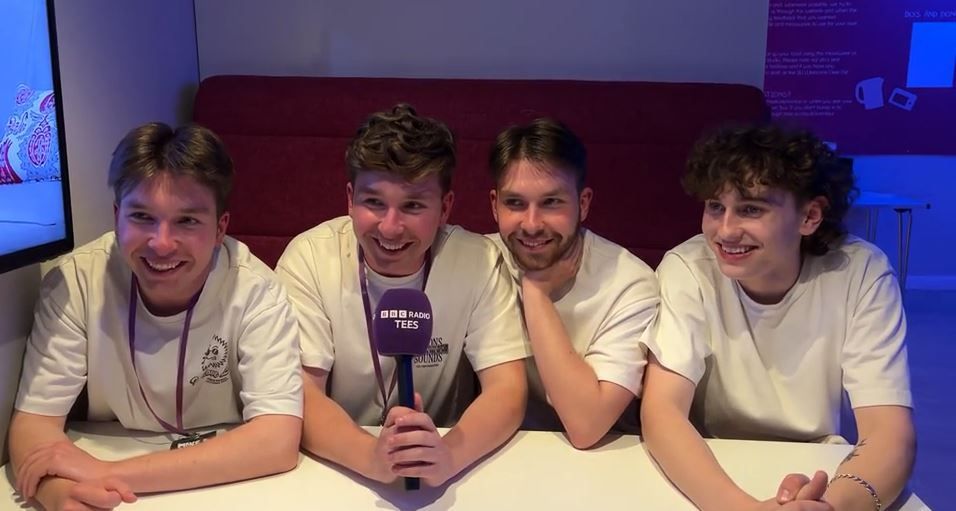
column 872, row 77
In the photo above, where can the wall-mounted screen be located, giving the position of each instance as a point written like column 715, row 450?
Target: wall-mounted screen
column 35, row 216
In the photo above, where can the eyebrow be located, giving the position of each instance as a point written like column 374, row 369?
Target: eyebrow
column 133, row 204
column 412, row 192
column 557, row 192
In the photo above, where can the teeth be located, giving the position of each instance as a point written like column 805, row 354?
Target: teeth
column 390, row 246
column 735, row 250
column 161, row 266
column 533, row 244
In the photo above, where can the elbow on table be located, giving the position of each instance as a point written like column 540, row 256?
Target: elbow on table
column 583, row 441
column 285, row 457
column 584, row 436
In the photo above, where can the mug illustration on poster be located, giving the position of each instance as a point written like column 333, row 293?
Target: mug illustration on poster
column 869, row 93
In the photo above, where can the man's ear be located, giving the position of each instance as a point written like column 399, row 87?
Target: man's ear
column 221, row 227
column 447, row 201
column 493, row 195
column 348, row 196
column 115, row 215
column 584, row 202
column 813, row 212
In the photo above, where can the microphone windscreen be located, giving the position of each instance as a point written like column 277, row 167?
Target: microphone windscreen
column 403, row 322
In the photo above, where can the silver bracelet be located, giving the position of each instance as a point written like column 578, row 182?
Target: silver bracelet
column 866, row 486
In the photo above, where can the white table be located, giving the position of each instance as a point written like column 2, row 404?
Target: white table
column 872, row 202
column 535, row 470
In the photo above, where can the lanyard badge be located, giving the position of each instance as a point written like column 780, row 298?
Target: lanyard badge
column 191, row 440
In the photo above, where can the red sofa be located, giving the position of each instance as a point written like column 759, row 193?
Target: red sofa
column 288, row 135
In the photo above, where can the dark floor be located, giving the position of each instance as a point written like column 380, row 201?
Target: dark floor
column 931, row 318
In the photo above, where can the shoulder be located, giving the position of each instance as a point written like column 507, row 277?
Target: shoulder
column 87, row 262
column 94, row 253
column 329, row 233
column 460, row 244
column 253, row 279
column 615, row 265
column 604, row 251
column 319, row 243
column 854, row 262
column 691, row 258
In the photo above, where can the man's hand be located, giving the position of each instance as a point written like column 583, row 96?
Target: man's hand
column 798, row 492
column 382, row 463
column 60, row 459
column 98, row 494
column 556, row 276
column 417, row 450
column 796, row 505
column 800, row 487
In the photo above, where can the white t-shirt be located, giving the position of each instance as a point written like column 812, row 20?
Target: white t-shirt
column 474, row 311
column 778, row 371
column 613, row 299
column 241, row 356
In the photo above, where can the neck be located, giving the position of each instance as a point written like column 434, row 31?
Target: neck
column 159, row 305
column 770, row 288
column 395, row 271
column 396, row 274
column 160, row 308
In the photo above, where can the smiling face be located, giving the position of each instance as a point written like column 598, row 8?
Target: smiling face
column 396, row 221
column 756, row 237
column 168, row 229
column 539, row 212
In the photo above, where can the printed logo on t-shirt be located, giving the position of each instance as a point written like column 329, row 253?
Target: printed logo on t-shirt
column 215, row 362
column 435, row 355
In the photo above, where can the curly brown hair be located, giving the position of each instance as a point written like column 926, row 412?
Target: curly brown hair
column 777, row 157
column 156, row 148
column 401, row 142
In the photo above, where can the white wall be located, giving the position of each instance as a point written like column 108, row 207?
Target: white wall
column 676, row 40
column 122, row 64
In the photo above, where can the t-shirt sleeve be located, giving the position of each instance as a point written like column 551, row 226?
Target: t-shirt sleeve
column 54, row 365
column 875, row 370
column 268, row 353
column 616, row 355
column 297, row 272
column 678, row 336
column 495, row 334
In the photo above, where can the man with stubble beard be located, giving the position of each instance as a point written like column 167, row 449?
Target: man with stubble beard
column 586, row 300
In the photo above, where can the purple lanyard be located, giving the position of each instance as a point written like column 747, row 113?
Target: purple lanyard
column 133, row 296
column 373, row 349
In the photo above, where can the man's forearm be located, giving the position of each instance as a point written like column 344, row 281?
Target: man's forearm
column 883, row 458
column 28, row 431
column 490, row 420
column 571, row 384
column 687, row 461
column 266, row 445
column 331, row 434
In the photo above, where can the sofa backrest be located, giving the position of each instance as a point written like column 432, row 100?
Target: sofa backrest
column 287, row 136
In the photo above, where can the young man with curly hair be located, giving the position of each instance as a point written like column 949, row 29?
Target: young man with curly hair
column 767, row 318
column 399, row 197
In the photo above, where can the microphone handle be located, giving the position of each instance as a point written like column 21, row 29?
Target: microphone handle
column 406, row 398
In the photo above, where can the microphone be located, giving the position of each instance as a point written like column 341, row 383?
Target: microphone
column 402, row 329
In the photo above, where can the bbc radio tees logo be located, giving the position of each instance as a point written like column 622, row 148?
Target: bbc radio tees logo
column 403, row 314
